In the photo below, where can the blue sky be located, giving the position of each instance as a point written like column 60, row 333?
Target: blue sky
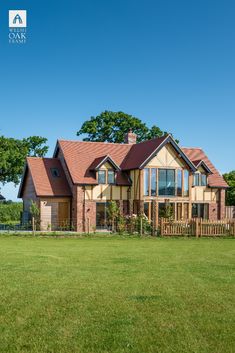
column 170, row 63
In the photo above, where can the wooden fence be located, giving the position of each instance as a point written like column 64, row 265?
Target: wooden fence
column 230, row 212
column 197, row 227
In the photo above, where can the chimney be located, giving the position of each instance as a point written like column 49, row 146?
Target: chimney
column 130, row 137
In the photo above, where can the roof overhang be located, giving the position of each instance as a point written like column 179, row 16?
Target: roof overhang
column 169, row 139
column 102, row 160
column 202, row 164
column 22, row 180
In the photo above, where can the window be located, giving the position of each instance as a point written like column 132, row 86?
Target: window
column 203, row 180
column 166, row 210
column 102, row 177
column 200, row 210
column 186, row 182
column 179, row 182
column 146, row 182
column 200, row 179
column 196, row 179
column 111, row 177
column 55, row 172
column 153, row 181
column 146, row 209
column 166, row 182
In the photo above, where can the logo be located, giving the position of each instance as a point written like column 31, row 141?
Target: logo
column 17, row 26
column 17, row 18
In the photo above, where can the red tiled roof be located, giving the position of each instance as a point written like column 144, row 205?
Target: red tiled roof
column 101, row 160
column 197, row 154
column 140, row 152
column 44, row 182
column 79, row 157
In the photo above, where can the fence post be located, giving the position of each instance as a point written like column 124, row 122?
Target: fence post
column 197, row 227
column 141, row 226
column 88, row 225
column 33, row 225
column 161, row 226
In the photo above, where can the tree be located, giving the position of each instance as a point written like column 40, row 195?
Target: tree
column 112, row 126
column 13, row 153
column 36, row 146
column 230, row 194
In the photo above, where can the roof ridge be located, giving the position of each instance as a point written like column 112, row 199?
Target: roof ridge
column 103, row 142
column 34, row 157
column 114, row 143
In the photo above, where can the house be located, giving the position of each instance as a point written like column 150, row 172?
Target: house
column 82, row 177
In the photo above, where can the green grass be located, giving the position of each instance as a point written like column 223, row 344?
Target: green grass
column 116, row 295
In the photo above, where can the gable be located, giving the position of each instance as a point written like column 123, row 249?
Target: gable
column 28, row 189
column 106, row 166
column 167, row 157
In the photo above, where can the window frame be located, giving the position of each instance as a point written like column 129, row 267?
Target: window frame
column 113, row 172
column 167, row 170
column 198, row 180
column 106, row 176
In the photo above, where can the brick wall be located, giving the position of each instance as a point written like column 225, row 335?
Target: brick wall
column 213, row 211
column 222, row 204
column 90, row 214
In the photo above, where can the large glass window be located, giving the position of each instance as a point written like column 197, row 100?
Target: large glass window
column 186, row 182
column 146, row 182
column 179, row 182
column 200, row 210
column 153, row 181
column 102, row 177
column 166, row 182
column 111, row 177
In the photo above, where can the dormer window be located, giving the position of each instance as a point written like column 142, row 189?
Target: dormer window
column 106, row 177
column 111, row 177
column 203, row 180
column 200, row 179
column 102, row 176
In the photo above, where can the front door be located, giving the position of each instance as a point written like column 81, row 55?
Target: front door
column 63, row 214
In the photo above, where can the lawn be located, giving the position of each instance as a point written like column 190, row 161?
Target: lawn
column 117, row 295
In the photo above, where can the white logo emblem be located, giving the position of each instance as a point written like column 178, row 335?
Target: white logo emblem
column 17, row 18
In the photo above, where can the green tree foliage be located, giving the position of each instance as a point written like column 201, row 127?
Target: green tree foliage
column 112, row 126
column 13, row 153
column 10, row 211
column 36, row 146
column 230, row 194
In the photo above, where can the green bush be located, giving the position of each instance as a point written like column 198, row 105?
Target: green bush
column 10, row 212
